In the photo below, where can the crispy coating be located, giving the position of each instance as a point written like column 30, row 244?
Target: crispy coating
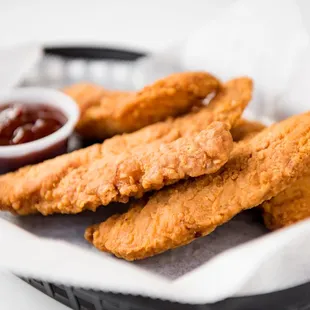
column 245, row 129
column 290, row 206
column 135, row 172
column 31, row 188
column 227, row 107
column 258, row 169
column 107, row 113
column 145, row 168
column 86, row 95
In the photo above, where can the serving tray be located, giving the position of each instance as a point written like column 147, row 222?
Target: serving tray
column 113, row 67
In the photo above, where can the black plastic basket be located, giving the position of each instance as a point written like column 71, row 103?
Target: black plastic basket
column 297, row 298
column 81, row 299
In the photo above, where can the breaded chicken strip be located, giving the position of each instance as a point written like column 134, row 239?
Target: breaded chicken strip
column 107, row 113
column 290, row 206
column 135, row 172
column 86, row 95
column 145, row 168
column 32, row 188
column 258, row 169
column 245, row 129
column 227, row 107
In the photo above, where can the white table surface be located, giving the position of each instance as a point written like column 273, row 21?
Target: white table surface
column 145, row 25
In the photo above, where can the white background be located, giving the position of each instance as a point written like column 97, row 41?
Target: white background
column 135, row 23
column 144, row 25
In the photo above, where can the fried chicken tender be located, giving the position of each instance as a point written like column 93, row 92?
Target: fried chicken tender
column 245, row 129
column 259, row 168
column 290, row 206
column 107, row 113
column 143, row 169
column 31, row 189
column 227, row 107
column 86, row 95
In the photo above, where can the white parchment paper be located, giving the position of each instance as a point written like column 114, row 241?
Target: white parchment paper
column 265, row 40
column 16, row 62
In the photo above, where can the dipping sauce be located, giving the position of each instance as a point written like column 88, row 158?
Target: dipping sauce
column 24, row 122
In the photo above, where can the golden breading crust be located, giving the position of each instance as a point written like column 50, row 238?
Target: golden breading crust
column 107, row 113
column 288, row 207
column 28, row 189
column 258, row 169
column 227, row 107
column 135, row 172
column 245, row 129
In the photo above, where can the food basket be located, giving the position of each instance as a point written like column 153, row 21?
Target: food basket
column 114, row 69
